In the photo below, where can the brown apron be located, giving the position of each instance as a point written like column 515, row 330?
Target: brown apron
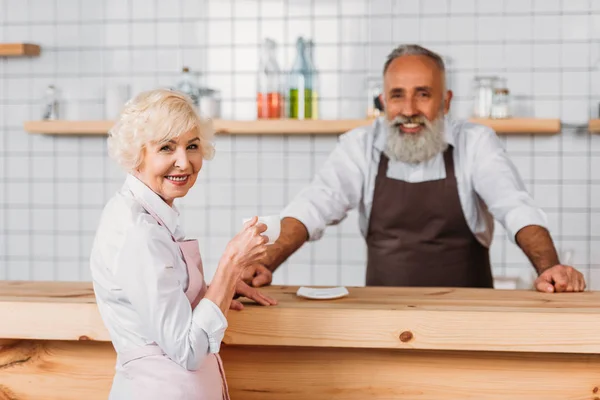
column 418, row 235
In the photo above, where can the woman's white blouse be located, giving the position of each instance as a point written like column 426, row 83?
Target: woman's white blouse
column 140, row 278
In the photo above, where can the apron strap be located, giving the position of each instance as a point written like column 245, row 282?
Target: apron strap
column 139, row 352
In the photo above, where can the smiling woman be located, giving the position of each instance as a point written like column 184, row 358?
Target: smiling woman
column 156, row 116
column 165, row 323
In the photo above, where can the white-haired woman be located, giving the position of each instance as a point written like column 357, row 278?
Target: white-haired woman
column 165, row 323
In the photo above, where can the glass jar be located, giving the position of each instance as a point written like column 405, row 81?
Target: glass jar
column 50, row 103
column 483, row 96
column 501, row 103
column 374, row 93
column 209, row 103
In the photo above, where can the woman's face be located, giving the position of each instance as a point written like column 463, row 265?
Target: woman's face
column 170, row 169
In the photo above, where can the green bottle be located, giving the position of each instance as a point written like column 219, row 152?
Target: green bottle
column 301, row 85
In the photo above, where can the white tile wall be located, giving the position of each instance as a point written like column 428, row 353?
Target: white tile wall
column 52, row 189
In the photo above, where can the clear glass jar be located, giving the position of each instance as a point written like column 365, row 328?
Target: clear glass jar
column 50, row 103
column 374, row 102
column 209, row 103
column 483, row 96
column 501, row 103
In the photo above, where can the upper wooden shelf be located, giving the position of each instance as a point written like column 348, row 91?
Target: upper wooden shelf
column 258, row 127
column 522, row 125
column 594, row 125
column 289, row 126
column 19, row 49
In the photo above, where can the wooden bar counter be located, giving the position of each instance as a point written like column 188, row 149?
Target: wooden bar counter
column 377, row 343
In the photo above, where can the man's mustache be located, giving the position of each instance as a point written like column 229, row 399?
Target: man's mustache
column 414, row 119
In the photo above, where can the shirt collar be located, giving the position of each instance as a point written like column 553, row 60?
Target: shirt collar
column 382, row 128
column 148, row 198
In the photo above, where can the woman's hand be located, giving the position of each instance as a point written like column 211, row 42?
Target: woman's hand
column 243, row 251
column 247, row 247
column 242, row 289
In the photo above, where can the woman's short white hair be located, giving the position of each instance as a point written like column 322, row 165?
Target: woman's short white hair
column 156, row 116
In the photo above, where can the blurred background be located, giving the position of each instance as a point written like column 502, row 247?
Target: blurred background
column 539, row 57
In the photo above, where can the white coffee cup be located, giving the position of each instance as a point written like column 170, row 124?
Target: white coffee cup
column 273, row 223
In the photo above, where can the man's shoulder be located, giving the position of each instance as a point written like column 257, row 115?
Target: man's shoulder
column 467, row 133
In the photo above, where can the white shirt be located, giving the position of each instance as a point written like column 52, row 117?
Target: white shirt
column 489, row 185
column 140, row 278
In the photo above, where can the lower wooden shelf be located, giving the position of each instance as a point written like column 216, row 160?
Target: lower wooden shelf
column 290, row 127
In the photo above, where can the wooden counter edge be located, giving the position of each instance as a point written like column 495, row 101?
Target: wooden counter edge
column 345, row 328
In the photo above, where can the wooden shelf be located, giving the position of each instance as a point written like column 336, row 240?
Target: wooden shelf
column 259, row 127
column 61, row 127
column 19, row 49
column 521, row 125
column 286, row 126
column 594, row 125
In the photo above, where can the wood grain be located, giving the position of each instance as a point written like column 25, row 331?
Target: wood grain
column 53, row 370
column 594, row 125
column 274, row 373
column 56, row 370
column 436, row 318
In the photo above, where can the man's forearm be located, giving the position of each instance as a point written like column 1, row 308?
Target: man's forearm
column 292, row 236
column 536, row 243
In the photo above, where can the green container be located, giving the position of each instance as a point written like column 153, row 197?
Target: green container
column 301, row 108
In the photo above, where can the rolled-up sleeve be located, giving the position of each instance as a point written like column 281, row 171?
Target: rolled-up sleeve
column 497, row 181
column 149, row 271
column 335, row 190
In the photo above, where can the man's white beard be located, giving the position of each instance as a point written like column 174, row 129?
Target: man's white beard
column 414, row 148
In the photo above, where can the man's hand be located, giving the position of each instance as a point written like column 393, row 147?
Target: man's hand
column 257, row 275
column 242, row 289
column 560, row 278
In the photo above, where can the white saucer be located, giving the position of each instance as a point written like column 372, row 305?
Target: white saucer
column 322, row 293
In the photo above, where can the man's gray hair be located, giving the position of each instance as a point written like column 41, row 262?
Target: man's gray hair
column 413, row 50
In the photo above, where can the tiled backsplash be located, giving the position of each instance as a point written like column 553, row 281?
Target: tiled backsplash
column 52, row 189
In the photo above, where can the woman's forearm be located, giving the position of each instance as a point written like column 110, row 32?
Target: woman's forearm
column 222, row 287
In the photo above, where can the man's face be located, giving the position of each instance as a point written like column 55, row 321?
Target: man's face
column 414, row 88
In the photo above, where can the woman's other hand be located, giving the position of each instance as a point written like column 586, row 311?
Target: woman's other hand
column 247, row 247
column 242, row 289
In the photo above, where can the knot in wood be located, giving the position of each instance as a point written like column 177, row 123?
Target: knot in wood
column 406, row 336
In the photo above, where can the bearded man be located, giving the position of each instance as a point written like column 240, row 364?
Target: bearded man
column 427, row 188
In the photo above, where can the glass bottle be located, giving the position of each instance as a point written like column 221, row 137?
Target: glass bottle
column 269, row 100
column 300, row 85
column 310, row 46
column 50, row 104
column 187, row 85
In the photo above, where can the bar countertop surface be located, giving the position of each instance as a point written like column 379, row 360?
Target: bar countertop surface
column 386, row 318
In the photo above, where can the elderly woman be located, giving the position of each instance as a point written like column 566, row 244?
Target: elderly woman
column 165, row 323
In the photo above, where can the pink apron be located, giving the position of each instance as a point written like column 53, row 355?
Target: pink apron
column 147, row 373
